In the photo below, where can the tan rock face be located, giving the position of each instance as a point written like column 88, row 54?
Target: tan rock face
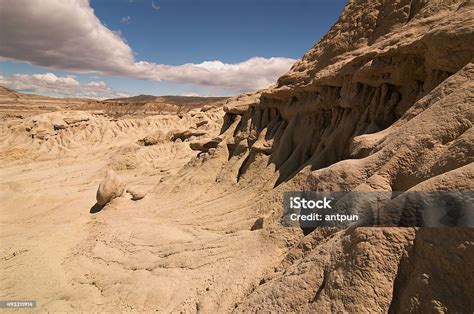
column 111, row 187
column 436, row 273
column 391, row 90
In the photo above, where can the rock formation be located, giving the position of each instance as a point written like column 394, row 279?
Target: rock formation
column 360, row 91
column 383, row 102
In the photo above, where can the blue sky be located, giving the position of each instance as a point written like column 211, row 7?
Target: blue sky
column 165, row 34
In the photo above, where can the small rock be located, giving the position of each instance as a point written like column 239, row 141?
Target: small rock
column 204, row 156
column 59, row 126
column 136, row 194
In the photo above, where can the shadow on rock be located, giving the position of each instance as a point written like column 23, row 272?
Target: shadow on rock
column 96, row 208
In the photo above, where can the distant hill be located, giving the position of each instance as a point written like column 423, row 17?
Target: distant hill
column 139, row 98
column 6, row 90
column 175, row 100
column 21, row 104
column 10, row 93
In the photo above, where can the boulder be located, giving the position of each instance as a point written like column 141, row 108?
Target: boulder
column 111, row 187
column 182, row 135
column 205, row 144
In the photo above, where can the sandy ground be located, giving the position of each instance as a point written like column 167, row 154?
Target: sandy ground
column 181, row 248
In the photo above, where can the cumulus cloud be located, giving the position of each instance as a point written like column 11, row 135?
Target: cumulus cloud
column 244, row 76
column 50, row 84
column 74, row 39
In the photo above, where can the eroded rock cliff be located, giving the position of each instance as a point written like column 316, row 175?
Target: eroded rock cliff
column 382, row 102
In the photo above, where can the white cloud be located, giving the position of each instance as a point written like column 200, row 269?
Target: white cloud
column 74, row 39
column 50, row 84
column 125, row 20
column 244, row 76
column 155, row 6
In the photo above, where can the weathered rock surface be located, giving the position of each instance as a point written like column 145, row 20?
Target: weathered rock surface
column 157, row 137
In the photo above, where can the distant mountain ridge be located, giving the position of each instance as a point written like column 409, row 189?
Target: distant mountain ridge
column 21, row 104
column 171, row 99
